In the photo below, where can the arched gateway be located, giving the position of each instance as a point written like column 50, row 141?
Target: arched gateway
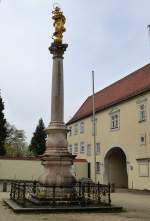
column 116, row 167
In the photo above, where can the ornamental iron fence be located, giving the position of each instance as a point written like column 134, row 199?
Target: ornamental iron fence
column 80, row 194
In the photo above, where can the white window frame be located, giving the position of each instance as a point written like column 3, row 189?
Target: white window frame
column 70, row 148
column 82, row 147
column 97, row 167
column 89, row 150
column 70, row 131
column 142, row 112
column 98, row 148
column 81, row 127
column 76, row 148
column 114, row 119
column 76, row 129
column 93, row 126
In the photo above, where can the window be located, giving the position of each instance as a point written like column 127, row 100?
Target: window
column 94, row 126
column 97, row 148
column 114, row 120
column 81, row 127
column 75, row 129
column 82, row 147
column 141, row 102
column 142, row 112
column 70, row 131
column 75, row 148
column 89, row 150
column 142, row 139
column 70, row 149
column 97, row 167
column 143, row 168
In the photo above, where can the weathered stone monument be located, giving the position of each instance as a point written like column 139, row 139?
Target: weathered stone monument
column 57, row 161
column 57, row 189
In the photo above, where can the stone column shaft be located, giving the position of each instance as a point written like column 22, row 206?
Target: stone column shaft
column 57, row 161
column 57, row 94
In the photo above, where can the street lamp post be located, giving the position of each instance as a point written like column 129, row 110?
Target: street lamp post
column 94, row 128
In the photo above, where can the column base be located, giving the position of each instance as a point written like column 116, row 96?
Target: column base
column 57, row 170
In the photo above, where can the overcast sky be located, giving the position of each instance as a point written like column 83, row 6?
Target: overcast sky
column 109, row 36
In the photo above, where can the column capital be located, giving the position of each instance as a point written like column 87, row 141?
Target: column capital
column 58, row 49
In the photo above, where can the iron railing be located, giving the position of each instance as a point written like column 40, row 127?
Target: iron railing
column 82, row 194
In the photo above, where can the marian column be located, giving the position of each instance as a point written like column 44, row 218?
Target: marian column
column 57, row 161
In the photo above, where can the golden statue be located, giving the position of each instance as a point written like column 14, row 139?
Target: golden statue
column 59, row 21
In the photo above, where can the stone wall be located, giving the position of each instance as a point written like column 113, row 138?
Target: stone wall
column 31, row 168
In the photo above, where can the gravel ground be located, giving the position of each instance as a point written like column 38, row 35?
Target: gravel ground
column 137, row 209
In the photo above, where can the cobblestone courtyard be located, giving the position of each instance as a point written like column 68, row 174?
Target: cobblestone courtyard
column 137, row 207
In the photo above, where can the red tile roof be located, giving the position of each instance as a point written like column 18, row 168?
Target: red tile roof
column 130, row 86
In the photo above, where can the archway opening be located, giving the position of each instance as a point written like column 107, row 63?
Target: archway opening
column 116, row 167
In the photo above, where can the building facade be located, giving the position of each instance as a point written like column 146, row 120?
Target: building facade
column 122, row 132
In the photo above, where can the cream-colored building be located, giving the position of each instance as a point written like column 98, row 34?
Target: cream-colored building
column 122, row 122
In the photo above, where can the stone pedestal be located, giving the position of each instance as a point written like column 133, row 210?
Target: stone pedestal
column 57, row 161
